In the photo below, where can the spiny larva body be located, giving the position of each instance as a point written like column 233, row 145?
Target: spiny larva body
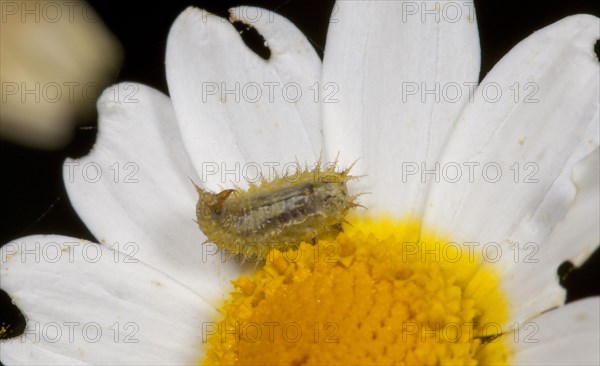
column 300, row 207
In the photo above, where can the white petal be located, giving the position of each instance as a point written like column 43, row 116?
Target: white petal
column 568, row 335
column 87, row 304
column 133, row 191
column 532, row 285
column 295, row 60
column 234, row 107
column 540, row 140
column 559, row 60
column 377, row 53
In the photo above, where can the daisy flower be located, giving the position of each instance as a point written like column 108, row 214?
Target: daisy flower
column 476, row 195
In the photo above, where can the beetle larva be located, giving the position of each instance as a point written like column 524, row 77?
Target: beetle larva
column 300, row 207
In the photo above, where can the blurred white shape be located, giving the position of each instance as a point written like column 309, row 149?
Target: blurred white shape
column 55, row 59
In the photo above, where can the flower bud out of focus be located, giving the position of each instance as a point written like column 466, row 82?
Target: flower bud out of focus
column 56, row 57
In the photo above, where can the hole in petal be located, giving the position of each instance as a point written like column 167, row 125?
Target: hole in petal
column 12, row 320
column 254, row 40
column 83, row 141
column 597, row 49
column 580, row 282
column 564, row 270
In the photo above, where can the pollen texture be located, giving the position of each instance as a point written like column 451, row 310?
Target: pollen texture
column 382, row 292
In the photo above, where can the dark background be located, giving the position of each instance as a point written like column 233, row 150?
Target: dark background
column 33, row 196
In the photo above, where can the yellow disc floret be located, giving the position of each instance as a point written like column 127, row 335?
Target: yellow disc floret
column 382, row 292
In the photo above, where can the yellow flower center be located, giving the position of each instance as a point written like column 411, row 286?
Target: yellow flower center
column 382, row 292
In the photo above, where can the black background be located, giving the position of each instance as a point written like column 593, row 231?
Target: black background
column 33, row 196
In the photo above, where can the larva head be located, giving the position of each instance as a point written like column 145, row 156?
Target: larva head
column 210, row 205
